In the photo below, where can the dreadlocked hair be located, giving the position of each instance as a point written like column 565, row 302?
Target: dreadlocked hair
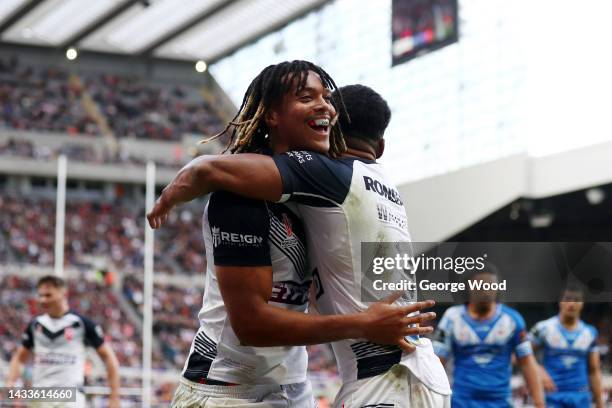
column 249, row 127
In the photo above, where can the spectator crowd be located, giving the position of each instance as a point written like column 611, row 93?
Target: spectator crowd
column 17, row 147
column 48, row 99
column 134, row 108
column 41, row 98
column 99, row 234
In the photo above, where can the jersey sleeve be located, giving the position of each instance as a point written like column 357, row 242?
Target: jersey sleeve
column 521, row 344
column 239, row 228
column 442, row 340
column 593, row 346
column 27, row 338
column 308, row 175
column 94, row 336
column 536, row 334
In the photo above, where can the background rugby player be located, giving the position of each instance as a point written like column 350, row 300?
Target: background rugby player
column 258, row 275
column 570, row 357
column 343, row 204
column 57, row 341
column 481, row 337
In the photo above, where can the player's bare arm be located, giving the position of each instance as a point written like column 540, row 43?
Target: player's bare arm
column 595, row 379
column 248, row 174
column 112, row 369
column 260, row 324
column 529, row 366
column 17, row 362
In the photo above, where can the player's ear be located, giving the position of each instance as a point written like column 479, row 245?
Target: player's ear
column 380, row 149
column 271, row 117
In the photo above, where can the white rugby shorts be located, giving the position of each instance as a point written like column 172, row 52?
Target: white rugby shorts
column 397, row 388
column 193, row 395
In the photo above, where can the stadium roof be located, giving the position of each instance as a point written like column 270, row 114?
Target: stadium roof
column 173, row 29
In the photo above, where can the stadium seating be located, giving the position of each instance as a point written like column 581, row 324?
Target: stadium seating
column 109, row 232
column 50, row 99
column 42, row 99
column 134, row 108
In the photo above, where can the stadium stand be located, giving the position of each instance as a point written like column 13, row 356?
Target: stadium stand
column 19, row 147
column 37, row 101
column 42, row 99
column 136, row 109
column 106, row 232
column 175, row 313
column 51, row 99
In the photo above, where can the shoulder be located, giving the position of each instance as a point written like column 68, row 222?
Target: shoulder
column 309, row 174
column 453, row 312
column 94, row 335
column 513, row 314
column 42, row 319
column 84, row 319
column 540, row 326
column 313, row 160
column 546, row 324
column 591, row 329
column 541, row 329
column 29, row 328
column 303, row 157
column 34, row 320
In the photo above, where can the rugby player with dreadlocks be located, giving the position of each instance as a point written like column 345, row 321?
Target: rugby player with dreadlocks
column 249, row 347
column 343, row 202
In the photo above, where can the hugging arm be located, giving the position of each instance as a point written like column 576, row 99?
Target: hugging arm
column 248, row 174
column 246, row 291
column 245, row 278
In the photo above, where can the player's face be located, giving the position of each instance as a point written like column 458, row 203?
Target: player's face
column 484, row 296
column 303, row 120
column 571, row 305
column 50, row 298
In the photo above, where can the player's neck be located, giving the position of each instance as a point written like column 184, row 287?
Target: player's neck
column 481, row 311
column 59, row 312
column 359, row 148
column 569, row 322
column 358, row 153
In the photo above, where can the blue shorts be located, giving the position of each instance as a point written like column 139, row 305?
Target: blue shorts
column 568, row 399
column 465, row 402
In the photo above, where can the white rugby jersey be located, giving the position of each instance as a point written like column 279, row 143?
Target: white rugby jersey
column 344, row 202
column 243, row 232
column 58, row 345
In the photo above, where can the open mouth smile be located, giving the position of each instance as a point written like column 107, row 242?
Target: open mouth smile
column 319, row 125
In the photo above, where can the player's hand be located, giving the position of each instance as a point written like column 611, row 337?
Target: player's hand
column 547, row 382
column 159, row 213
column 389, row 324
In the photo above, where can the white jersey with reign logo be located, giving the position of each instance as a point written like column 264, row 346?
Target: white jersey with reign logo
column 58, row 345
column 244, row 232
column 344, row 203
